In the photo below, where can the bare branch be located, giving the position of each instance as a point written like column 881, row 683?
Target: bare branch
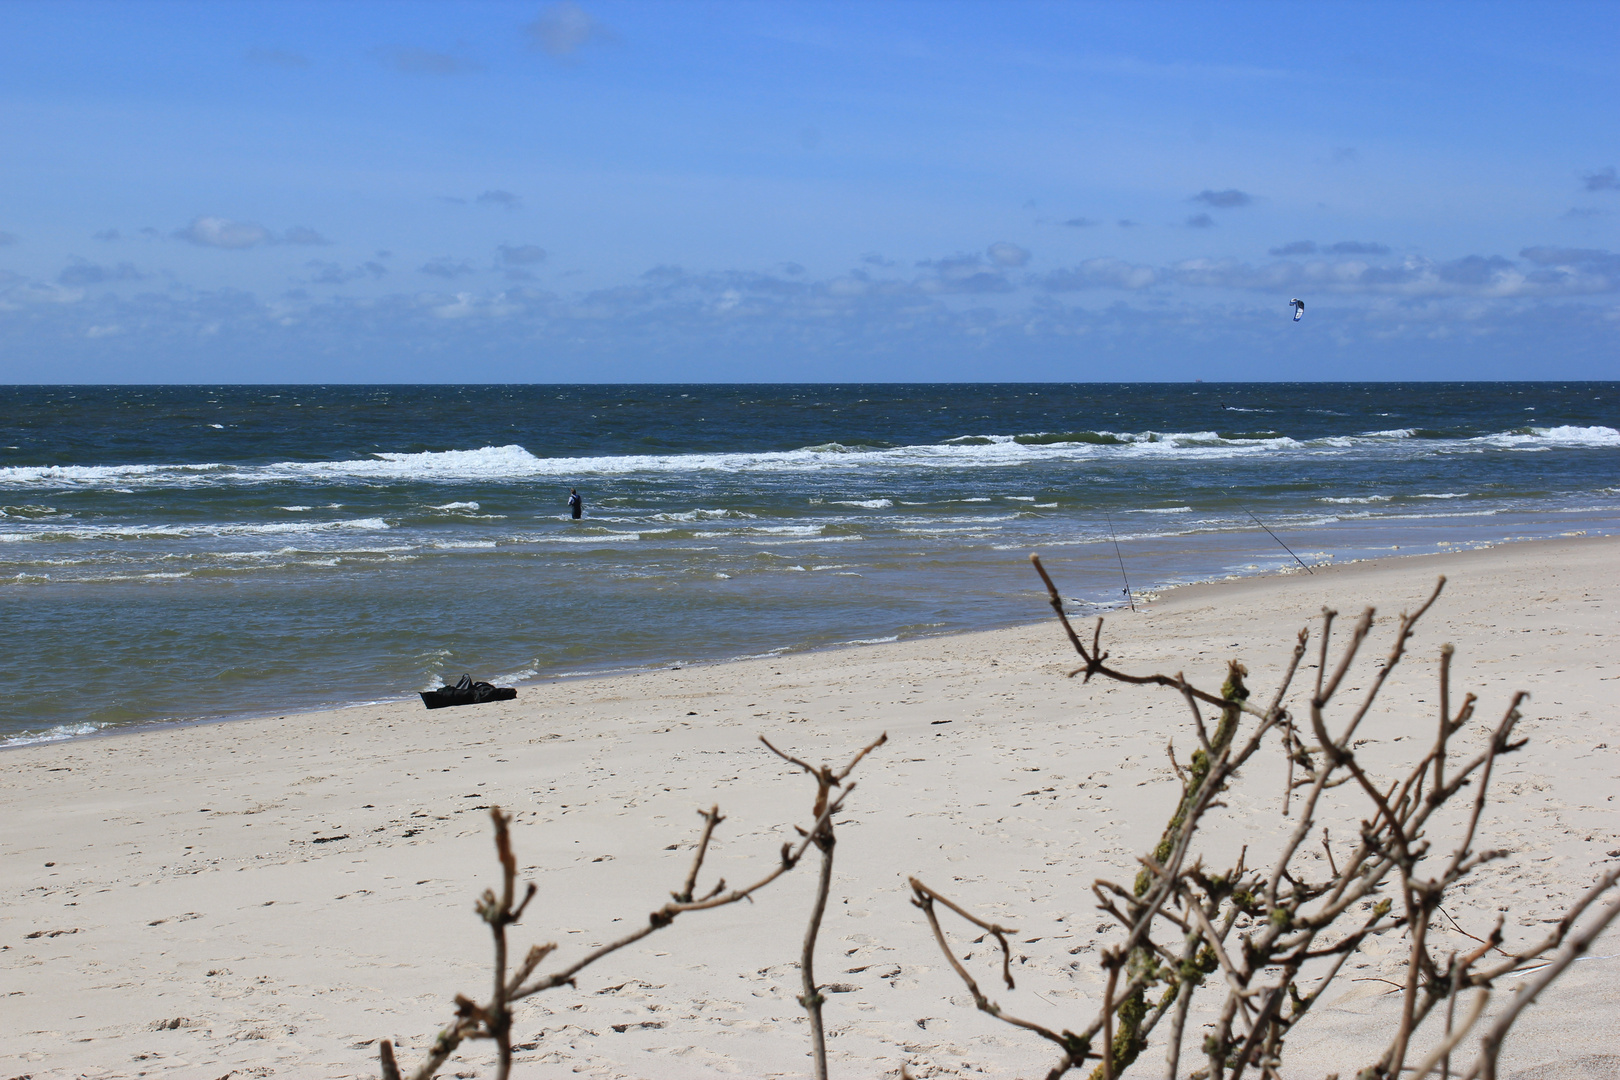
column 998, row 931
column 812, row 998
column 1449, row 1043
column 711, row 818
column 666, row 914
column 390, row 1069
column 1491, row 1044
column 1075, row 1048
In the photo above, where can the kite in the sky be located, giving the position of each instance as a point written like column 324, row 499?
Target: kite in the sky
column 1299, row 308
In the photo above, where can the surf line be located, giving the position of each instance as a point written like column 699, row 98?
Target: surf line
column 1271, row 534
column 1128, row 598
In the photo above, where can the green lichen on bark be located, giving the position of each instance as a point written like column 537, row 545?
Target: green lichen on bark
column 1234, row 693
column 1133, row 1008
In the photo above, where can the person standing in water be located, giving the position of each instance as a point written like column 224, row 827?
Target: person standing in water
column 576, row 505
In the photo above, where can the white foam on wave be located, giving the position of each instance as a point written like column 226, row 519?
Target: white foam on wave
column 143, row 532
column 1163, row 510
column 941, row 530
column 773, row 530
column 702, row 514
column 865, row 504
column 1355, row 500
column 1408, row 515
column 101, row 475
column 53, row 734
column 1565, row 436
column 283, row 552
column 593, row 538
column 969, row 519
column 486, row 461
column 514, row 462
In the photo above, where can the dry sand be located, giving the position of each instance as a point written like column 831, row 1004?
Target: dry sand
column 269, row 897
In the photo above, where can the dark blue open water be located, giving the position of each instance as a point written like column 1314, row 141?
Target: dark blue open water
column 179, row 552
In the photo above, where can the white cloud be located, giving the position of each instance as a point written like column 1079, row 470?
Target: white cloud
column 504, row 199
column 84, row 272
column 562, row 28
column 520, row 254
column 1604, row 179
column 224, row 233
column 730, row 323
column 298, row 234
column 1005, row 254
column 963, row 274
column 426, row 62
column 446, row 267
column 1105, row 273
column 1224, row 200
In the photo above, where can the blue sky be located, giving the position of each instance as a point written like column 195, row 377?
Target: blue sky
column 692, row 191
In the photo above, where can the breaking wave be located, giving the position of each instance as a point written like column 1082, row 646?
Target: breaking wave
column 513, row 462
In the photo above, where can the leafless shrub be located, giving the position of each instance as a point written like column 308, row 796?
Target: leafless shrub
column 493, row 1019
column 1261, row 944
column 1296, row 932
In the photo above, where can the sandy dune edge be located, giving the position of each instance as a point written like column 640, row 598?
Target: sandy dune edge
column 290, row 889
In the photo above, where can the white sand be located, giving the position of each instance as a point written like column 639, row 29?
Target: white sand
column 188, row 873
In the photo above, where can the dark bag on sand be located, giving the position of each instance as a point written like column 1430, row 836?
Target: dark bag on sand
column 466, row 692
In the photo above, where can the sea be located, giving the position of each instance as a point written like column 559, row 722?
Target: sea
column 173, row 554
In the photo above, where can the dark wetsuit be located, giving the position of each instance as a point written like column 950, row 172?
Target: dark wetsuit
column 576, row 505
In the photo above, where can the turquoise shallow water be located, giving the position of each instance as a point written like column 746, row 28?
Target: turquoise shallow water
column 184, row 552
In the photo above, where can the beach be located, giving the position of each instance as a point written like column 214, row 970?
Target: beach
column 271, row 896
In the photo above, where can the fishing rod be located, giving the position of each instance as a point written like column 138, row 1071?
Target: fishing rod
column 1128, row 598
column 1273, row 535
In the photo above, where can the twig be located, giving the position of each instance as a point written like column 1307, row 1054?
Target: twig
column 812, row 998
column 711, row 818
column 493, row 1020
column 665, row 915
column 825, row 840
column 1075, row 1047
column 1491, row 1044
column 1441, row 1055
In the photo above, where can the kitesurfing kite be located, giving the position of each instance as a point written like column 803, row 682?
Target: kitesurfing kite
column 1298, row 306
